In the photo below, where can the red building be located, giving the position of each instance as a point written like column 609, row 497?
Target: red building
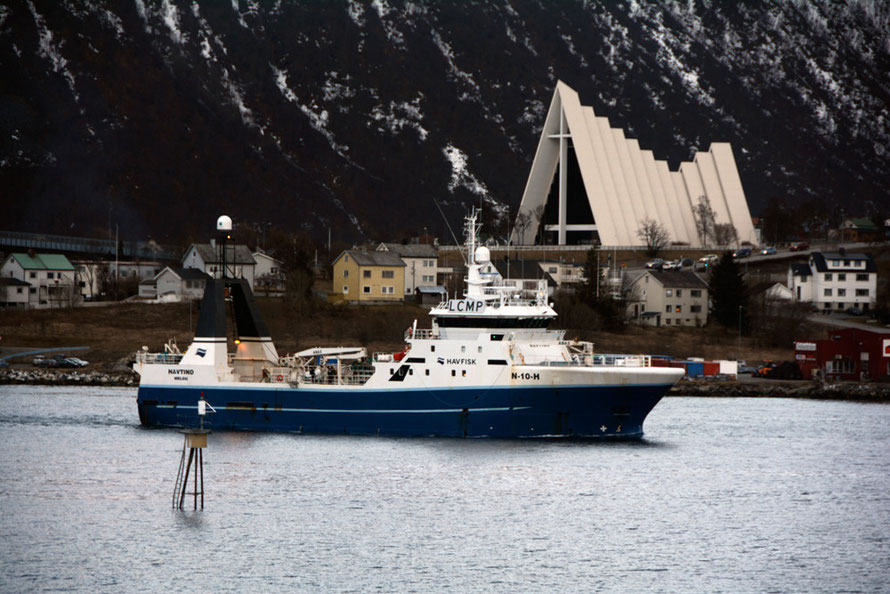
column 847, row 354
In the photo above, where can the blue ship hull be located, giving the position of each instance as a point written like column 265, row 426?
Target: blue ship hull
column 500, row 412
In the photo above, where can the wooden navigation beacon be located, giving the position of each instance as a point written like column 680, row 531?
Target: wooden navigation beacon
column 195, row 442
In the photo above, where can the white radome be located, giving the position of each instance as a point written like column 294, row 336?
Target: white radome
column 224, row 223
column 482, row 255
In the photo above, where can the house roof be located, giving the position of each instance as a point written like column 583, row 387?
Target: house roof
column 819, row 261
column 800, row 269
column 14, row 282
column 410, row 250
column 185, row 273
column 259, row 254
column 862, row 224
column 211, row 255
column 431, row 290
column 43, row 261
column 363, row 258
column 678, row 279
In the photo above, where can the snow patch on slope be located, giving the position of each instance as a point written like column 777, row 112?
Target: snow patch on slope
column 51, row 51
column 460, row 176
column 400, row 115
column 318, row 117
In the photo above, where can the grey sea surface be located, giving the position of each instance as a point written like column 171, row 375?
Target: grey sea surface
column 722, row 495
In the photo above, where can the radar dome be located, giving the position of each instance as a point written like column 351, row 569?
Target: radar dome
column 224, row 223
column 482, row 255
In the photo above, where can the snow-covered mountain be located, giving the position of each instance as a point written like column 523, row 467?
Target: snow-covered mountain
column 359, row 116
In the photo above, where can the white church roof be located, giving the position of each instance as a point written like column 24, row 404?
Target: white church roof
column 625, row 184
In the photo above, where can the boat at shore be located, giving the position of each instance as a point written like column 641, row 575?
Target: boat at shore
column 488, row 366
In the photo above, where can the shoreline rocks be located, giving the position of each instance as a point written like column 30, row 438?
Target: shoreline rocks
column 72, row 377
column 863, row 391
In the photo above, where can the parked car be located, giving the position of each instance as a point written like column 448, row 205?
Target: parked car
column 768, row 251
column 854, row 311
column 41, row 361
column 4, row 363
column 709, row 259
column 741, row 253
column 800, row 246
column 655, row 264
column 686, row 263
column 671, row 265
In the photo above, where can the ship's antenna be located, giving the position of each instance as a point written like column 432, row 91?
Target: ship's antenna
column 450, row 230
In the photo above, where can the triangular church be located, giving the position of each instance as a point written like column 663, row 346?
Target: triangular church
column 589, row 183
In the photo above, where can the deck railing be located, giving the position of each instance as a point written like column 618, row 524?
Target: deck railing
column 158, row 358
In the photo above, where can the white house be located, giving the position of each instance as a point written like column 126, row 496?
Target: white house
column 268, row 275
column 834, row 281
column 421, row 263
column 50, row 279
column 526, row 275
column 13, row 293
column 208, row 257
column 669, row 298
column 176, row 283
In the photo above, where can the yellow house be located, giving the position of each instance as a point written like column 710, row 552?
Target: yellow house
column 361, row 276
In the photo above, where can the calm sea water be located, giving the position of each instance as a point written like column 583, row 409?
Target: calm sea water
column 723, row 495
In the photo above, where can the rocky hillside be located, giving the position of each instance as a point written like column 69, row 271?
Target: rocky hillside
column 359, row 116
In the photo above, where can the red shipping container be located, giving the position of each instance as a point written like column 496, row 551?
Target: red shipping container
column 712, row 368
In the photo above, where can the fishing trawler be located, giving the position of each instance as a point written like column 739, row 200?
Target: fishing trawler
column 488, row 366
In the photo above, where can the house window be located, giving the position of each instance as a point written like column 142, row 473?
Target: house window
column 827, row 292
column 463, row 373
column 552, row 270
column 453, row 372
column 679, row 292
column 846, row 263
column 366, row 274
column 346, row 273
column 388, row 290
column 827, row 305
column 862, row 277
column 427, row 372
column 50, row 275
column 695, row 308
column 862, row 292
column 432, row 348
column 32, row 290
column 463, row 349
column 828, row 276
column 345, row 289
column 667, row 321
column 366, row 290
column 18, row 290
column 32, row 275
column 841, row 292
column 668, row 293
column 667, row 309
column 841, row 277
column 695, row 293
column 388, row 274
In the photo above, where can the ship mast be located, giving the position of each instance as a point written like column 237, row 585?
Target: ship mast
column 477, row 256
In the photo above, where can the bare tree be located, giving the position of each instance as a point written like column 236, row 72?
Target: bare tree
column 725, row 234
column 530, row 219
column 522, row 223
column 705, row 219
column 654, row 234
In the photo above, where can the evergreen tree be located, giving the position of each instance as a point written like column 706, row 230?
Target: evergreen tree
column 592, row 273
column 728, row 293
